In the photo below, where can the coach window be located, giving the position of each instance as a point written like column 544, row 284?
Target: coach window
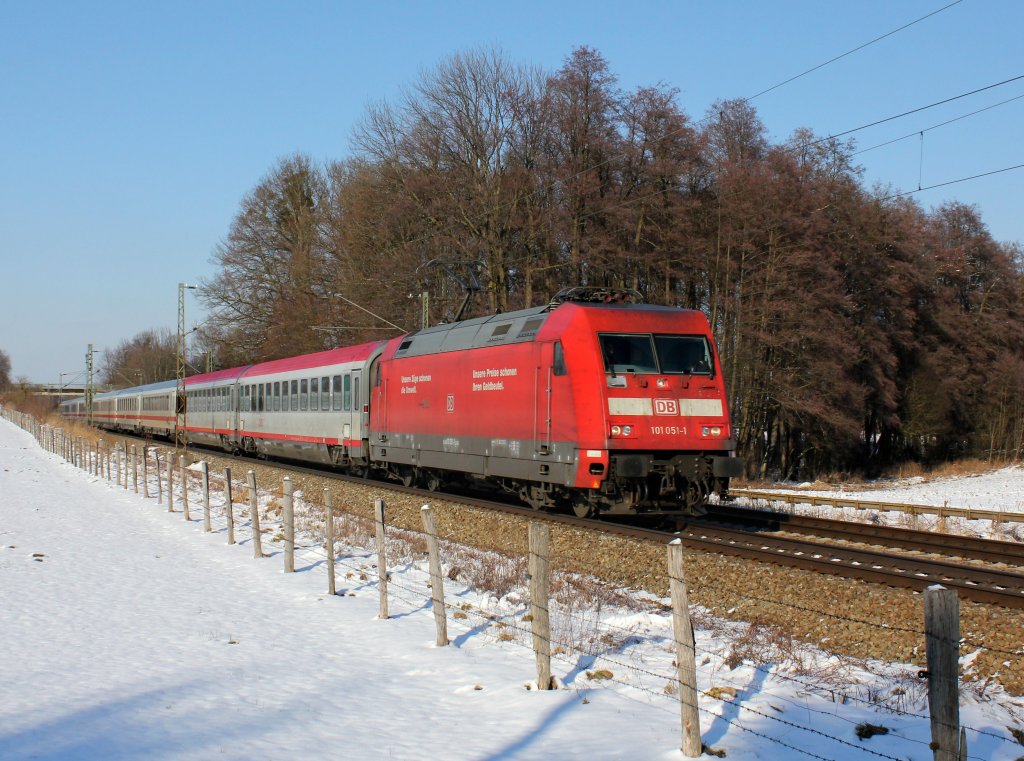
column 347, row 394
column 295, row 396
column 336, row 391
column 314, row 394
column 277, row 396
column 325, row 393
column 303, row 394
column 355, row 393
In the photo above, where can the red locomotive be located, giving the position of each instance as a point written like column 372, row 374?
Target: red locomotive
column 586, row 403
column 590, row 403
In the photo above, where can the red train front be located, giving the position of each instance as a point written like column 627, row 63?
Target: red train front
column 588, row 404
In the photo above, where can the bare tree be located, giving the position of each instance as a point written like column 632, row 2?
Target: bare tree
column 451, row 147
column 273, row 267
column 149, row 357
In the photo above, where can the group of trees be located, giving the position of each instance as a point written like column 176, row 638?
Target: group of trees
column 148, row 357
column 5, row 370
column 857, row 329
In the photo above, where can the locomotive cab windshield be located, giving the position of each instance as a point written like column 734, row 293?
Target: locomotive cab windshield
column 665, row 354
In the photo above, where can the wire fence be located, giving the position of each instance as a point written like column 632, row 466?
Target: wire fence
column 585, row 640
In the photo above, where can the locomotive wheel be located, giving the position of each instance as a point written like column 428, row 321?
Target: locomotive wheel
column 407, row 476
column 433, row 482
column 582, row 507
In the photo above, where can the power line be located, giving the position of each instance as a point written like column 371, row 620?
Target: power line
column 940, row 124
column 851, row 51
column 915, row 110
column 953, row 182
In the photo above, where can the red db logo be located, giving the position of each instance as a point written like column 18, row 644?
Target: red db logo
column 666, row 407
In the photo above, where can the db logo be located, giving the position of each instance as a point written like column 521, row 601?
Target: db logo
column 451, row 402
column 666, row 407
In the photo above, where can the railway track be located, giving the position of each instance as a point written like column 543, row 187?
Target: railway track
column 945, row 545
column 996, row 586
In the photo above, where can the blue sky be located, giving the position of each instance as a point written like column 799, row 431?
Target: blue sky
column 129, row 132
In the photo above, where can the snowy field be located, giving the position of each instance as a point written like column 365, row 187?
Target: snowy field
column 1000, row 490
column 128, row 633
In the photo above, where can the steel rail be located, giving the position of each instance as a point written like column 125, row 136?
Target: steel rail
column 947, row 545
column 943, row 511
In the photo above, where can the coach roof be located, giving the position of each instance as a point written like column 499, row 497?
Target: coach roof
column 359, row 353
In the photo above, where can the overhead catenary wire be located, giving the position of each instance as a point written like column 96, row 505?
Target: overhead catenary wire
column 937, row 126
column 851, row 51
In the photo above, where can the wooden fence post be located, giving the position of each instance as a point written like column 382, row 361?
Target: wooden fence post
column 382, row 558
column 170, row 482
column 206, row 496
column 254, row 516
column 685, row 651
column 145, row 471
column 159, row 481
column 539, row 611
column 288, row 518
column 436, row 580
column 942, row 647
column 229, row 511
column 183, row 477
column 135, row 470
column 329, row 540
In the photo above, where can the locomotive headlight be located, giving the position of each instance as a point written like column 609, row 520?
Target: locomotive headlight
column 662, row 382
column 711, row 430
column 627, row 430
column 616, row 430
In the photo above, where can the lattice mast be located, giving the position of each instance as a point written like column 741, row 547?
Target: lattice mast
column 88, row 385
column 180, row 407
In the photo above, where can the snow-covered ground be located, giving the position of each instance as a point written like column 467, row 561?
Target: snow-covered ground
column 129, row 633
column 998, row 490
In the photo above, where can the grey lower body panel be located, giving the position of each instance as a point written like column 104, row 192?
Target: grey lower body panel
column 491, row 458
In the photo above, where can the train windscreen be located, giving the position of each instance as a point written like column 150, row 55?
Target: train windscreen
column 686, row 355
column 644, row 353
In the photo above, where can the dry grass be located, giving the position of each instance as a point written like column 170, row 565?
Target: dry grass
column 969, row 466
